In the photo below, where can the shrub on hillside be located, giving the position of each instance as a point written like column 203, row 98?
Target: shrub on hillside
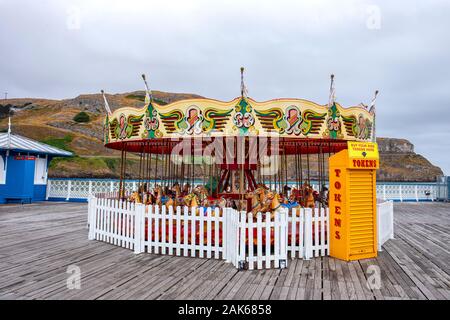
column 82, row 117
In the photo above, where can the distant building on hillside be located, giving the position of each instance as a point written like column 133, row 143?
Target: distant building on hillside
column 23, row 168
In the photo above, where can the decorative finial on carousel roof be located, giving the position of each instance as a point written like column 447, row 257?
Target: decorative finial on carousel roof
column 332, row 97
column 148, row 93
column 108, row 109
column 372, row 103
column 243, row 87
column 372, row 112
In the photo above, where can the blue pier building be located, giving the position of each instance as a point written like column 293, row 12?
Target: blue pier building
column 23, row 168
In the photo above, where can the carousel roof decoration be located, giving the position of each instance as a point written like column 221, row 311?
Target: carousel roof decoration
column 290, row 119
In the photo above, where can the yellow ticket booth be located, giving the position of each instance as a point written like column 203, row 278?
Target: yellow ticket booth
column 352, row 203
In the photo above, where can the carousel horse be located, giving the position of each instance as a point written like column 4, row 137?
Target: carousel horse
column 177, row 198
column 148, row 198
column 170, row 200
column 322, row 197
column 158, row 194
column 136, row 196
column 191, row 200
column 274, row 199
column 258, row 198
column 166, row 190
column 202, row 194
column 310, row 201
column 222, row 202
column 290, row 202
column 186, row 189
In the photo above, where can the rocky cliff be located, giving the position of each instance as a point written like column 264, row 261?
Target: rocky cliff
column 399, row 162
column 51, row 121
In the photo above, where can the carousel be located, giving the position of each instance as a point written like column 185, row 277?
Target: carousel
column 244, row 154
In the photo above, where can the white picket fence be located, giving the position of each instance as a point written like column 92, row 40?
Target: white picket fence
column 114, row 222
column 183, row 233
column 265, row 241
column 262, row 241
column 385, row 222
column 82, row 189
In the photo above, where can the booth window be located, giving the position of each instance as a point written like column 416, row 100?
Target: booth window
column 2, row 170
column 40, row 171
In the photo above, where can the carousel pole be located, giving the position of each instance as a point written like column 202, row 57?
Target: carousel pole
column 296, row 166
column 140, row 168
column 285, row 170
column 156, row 165
column 301, row 167
column 271, row 176
column 307, row 162
column 169, row 156
column 320, row 174
column 319, row 167
column 163, row 166
column 280, row 169
column 119, row 196
column 182, row 171
column 210, row 176
column 258, row 170
column 241, row 174
column 193, row 166
column 328, row 162
column 124, row 170
column 166, row 171
column 149, row 166
column 324, row 171
column 140, row 172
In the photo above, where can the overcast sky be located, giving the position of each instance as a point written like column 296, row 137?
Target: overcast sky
column 59, row 49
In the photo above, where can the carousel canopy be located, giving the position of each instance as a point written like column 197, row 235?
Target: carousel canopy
column 293, row 121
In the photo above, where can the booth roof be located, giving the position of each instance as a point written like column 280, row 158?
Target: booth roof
column 18, row 143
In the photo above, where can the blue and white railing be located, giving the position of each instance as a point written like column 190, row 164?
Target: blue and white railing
column 82, row 189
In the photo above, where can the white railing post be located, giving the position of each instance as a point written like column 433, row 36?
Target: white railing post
column 379, row 212
column 400, row 192
column 416, row 193
column 384, row 192
column 139, row 222
column 92, row 214
column 69, row 186
column 90, row 189
column 391, row 215
column 385, row 222
column 225, row 234
column 111, row 186
column 242, row 251
column 284, row 237
column 47, row 189
column 308, row 234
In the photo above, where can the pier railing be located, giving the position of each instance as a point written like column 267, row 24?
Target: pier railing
column 82, row 189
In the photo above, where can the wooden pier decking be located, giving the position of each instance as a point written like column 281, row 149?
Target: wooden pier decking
column 39, row 241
